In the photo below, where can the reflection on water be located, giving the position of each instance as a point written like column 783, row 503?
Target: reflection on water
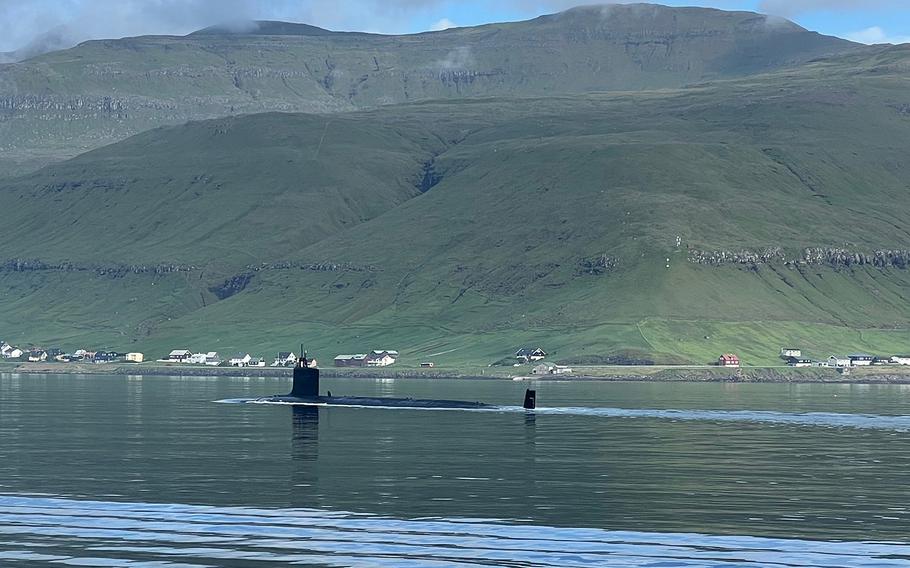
column 151, row 463
column 101, row 533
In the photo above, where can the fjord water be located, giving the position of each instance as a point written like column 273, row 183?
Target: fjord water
column 133, row 471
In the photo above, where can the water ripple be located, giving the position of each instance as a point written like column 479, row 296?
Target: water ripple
column 898, row 423
column 102, row 533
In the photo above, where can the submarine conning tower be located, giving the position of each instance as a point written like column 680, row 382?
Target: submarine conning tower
column 306, row 379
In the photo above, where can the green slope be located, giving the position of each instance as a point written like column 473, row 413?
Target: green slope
column 209, row 192
column 60, row 104
column 502, row 222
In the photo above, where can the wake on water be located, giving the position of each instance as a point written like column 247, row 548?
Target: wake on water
column 820, row 419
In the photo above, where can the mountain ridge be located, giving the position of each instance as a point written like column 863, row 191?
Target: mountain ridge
column 64, row 103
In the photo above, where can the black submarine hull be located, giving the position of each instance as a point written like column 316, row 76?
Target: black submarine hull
column 305, row 391
column 382, row 402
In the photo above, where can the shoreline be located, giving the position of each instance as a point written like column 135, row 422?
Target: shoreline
column 863, row 375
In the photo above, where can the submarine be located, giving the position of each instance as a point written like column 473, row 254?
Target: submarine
column 305, row 391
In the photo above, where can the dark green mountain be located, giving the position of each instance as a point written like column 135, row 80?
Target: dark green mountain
column 457, row 230
column 64, row 103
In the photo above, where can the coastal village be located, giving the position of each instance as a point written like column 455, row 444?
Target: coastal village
column 524, row 356
column 374, row 358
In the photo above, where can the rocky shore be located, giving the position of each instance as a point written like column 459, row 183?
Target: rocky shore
column 871, row 375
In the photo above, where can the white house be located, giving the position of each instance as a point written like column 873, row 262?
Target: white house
column 196, row 359
column 787, row 352
column 135, row 357
column 285, row 359
column 179, row 355
column 37, row 356
column 256, row 362
column 380, row 359
column 526, row 354
column 212, row 359
column 14, row 353
column 861, row 359
column 901, row 359
column 838, row 361
column 10, row 352
column 240, row 360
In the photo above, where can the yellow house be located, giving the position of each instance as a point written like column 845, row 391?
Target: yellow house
column 135, row 357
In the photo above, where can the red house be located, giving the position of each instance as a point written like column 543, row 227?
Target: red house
column 728, row 360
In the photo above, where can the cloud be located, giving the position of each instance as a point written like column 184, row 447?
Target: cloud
column 875, row 35
column 458, row 59
column 791, row 8
column 443, row 24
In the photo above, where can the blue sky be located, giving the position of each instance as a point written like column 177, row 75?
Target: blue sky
column 52, row 24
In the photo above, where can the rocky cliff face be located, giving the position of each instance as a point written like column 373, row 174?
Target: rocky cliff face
column 817, row 256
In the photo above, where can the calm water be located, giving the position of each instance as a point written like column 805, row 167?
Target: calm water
column 151, row 472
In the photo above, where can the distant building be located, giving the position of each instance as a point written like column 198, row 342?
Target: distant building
column 799, row 362
column 54, row 352
column 526, row 354
column 196, row 359
column 256, row 362
column 285, row 359
column 376, row 358
column 788, row 352
column 861, row 359
column 728, row 360
column 135, row 357
column 358, row 360
column 240, row 360
column 105, row 357
column 381, row 358
column 390, row 352
column 179, row 355
column 901, row 359
column 839, row 361
column 7, row 351
column 550, row 369
column 212, row 359
column 37, row 356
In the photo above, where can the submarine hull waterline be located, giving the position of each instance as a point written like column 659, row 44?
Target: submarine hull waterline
column 305, row 391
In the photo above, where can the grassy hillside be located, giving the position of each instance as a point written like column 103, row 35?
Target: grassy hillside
column 195, row 194
column 64, row 103
column 501, row 222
